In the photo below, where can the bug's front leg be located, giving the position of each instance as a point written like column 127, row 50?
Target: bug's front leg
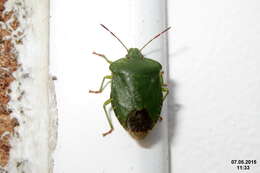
column 102, row 86
column 103, row 56
column 108, row 118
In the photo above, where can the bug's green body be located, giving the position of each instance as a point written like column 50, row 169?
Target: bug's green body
column 136, row 88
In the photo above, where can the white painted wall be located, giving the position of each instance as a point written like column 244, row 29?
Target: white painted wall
column 214, row 74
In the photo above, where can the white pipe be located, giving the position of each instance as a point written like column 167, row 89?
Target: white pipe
column 148, row 18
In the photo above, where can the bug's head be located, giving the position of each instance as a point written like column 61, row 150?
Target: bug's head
column 134, row 53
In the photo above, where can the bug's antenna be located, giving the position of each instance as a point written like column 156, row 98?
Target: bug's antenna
column 114, row 36
column 155, row 37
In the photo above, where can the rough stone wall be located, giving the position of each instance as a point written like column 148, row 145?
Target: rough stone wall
column 9, row 38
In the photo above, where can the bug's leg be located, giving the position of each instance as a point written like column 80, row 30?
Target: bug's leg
column 102, row 86
column 163, row 84
column 161, row 78
column 166, row 90
column 108, row 118
column 103, row 56
column 160, row 118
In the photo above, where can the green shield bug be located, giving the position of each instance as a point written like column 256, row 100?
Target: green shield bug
column 136, row 90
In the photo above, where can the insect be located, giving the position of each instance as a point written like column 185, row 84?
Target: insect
column 137, row 90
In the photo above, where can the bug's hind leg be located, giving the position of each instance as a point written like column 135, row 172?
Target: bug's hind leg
column 103, row 56
column 166, row 90
column 102, row 86
column 108, row 118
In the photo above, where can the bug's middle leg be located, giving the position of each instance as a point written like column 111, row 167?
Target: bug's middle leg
column 163, row 85
column 161, row 79
column 166, row 90
column 108, row 118
column 102, row 86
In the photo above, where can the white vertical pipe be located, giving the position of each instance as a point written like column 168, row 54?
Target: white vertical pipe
column 148, row 18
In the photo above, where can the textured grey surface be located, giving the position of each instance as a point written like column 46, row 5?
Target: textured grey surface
column 31, row 148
